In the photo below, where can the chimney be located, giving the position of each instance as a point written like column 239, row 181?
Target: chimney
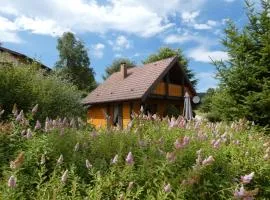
column 123, row 70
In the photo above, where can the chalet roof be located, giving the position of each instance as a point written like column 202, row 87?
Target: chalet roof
column 22, row 56
column 138, row 83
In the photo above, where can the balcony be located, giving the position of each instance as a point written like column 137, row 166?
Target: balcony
column 173, row 90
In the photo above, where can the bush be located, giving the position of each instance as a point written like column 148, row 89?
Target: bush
column 196, row 160
column 27, row 85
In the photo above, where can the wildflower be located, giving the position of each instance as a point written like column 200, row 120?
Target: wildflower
column 208, row 160
column 266, row 156
column 18, row 161
column 186, row 140
column 20, row 116
column 43, row 159
column 115, row 159
column 216, row 144
column 2, row 112
column 129, row 159
column 121, row 197
column 64, row 176
column 171, row 157
column 167, row 188
column 240, row 193
column 88, row 164
column 12, row 182
column 60, row 160
column 37, row 126
column 267, row 150
column 72, row 123
column 23, row 132
column 177, row 144
column 141, row 109
column 34, row 110
column 29, row 133
column 266, row 144
column 76, row 148
column 247, row 178
column 130, row 185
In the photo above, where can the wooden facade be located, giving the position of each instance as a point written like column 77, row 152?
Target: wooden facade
column 166, row 90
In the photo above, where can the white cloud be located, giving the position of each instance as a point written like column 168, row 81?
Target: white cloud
column 206, row 80
column 8, row 31
column 202, row 26
column 202, row 54
column 189, row 17
column 121, row 43
column 98, row 50
column 180, row 39
column 139, row 17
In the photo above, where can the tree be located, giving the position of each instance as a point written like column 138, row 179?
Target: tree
column 115, row 66
column 245, row 78
column 166, row 52
column 74, row 63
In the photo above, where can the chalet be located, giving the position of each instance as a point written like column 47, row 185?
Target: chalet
column 153, row 86
column 8, row 56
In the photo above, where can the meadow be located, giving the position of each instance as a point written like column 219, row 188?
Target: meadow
column 152, row 158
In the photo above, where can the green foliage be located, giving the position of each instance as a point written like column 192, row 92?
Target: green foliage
column 172, row 111
column 241, row 150
column 27, row 86
column 245, row 78
column 205, row 105
column 74, row 63
column 166, row 52
column 115, row 66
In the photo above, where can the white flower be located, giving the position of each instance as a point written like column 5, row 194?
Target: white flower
column 167, row 188
column 208, row 160
column 34, row 110
column 12, row 182
column 76, row 148
column 60, row 160
column 115, row 159
column 64, row 176
column 37, row 126
column 29, row 133
column 88, row 164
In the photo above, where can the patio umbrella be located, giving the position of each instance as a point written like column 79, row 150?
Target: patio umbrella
column 187, row 112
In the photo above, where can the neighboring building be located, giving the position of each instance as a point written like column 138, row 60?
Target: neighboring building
column 8, row 56
column 153, row 86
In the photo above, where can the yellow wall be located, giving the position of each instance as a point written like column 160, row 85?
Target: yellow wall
column 96, row 116
column 126, row 114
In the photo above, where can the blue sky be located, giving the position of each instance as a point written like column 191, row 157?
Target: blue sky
column 122, row 28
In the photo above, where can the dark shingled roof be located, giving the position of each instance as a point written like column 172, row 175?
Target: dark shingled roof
column 22, row 56
column 136, row 85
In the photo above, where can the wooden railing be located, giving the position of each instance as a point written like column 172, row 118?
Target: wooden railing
column 173, row 89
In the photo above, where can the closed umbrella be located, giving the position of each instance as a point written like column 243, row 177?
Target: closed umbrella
column 187, row 112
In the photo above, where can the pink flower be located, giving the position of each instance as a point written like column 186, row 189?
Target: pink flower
column 115, row 159
column 64, row 176
column 88, row 164
column 20, row 117
column 12, row 182
column 177, row 144
column 216, row 144
column 240, row 193
column 208, row 161
column 129, row 159
column 37, row 126
column 167, row 188
column 247, row 178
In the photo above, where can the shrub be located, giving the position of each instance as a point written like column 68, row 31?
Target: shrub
column 194, row 160
column 27, row 85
